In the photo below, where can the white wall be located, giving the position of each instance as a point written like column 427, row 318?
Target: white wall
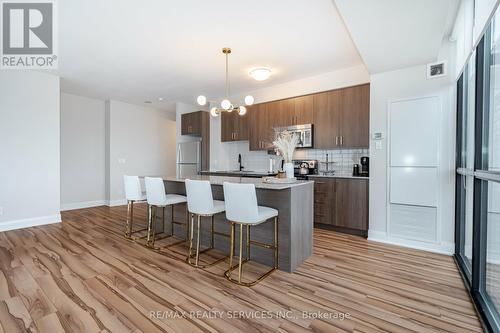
column 223, row 155
column 401, row 84
column 471, row 22
column 29, row 142
column 141, row 142
column 82, row 152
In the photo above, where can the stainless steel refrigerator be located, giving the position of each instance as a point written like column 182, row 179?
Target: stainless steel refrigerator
column 188, row 159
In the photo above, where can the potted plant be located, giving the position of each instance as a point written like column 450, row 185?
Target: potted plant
column 286, row 142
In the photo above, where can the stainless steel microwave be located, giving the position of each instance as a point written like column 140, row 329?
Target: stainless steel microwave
column 305, row 133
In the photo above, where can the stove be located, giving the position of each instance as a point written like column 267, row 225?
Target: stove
column 304, row 168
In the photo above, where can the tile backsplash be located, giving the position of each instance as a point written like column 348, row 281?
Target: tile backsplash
column 343, row 159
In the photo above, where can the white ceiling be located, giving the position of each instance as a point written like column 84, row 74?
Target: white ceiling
column 393, row 34
column 141, row 50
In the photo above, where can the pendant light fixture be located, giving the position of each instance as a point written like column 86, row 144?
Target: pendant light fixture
column 226, row 105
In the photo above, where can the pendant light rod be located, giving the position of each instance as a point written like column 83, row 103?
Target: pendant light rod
column 227, row 51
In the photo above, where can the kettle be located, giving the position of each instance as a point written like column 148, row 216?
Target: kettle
column 304, row 168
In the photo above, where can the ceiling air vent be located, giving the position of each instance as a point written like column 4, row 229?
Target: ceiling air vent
column 437, row 69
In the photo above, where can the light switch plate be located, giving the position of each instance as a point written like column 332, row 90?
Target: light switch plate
column 122, row 161
column 378, row 145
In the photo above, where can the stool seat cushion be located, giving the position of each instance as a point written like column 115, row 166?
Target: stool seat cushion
column 172, row 199
column 218, row 207
column 264, row 214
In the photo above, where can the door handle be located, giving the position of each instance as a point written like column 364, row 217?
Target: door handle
column 336, row 140
column 342, row 140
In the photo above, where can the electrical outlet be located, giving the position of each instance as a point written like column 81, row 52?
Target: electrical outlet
column 122, row 160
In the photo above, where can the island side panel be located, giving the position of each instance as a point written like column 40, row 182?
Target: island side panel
column 278, row 199
column 302, row 224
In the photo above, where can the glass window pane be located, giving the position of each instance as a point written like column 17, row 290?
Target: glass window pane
column 493, row 128
column 493, row 244
column 469, row 203
column 469, row 113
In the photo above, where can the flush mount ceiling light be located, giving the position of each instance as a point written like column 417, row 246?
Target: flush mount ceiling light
column 260, row 74
column 226, row 104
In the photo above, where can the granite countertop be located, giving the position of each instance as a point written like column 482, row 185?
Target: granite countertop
column 219, row 180
column 347, row 176
column 242, row 173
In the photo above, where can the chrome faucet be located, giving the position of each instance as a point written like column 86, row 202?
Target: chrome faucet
column 239, row 162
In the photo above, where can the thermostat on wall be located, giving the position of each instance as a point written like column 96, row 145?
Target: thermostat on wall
column 377, row 136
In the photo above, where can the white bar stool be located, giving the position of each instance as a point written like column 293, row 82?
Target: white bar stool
column 157, row 198
column 133, row 194
column 242, row 209
column 201, row 203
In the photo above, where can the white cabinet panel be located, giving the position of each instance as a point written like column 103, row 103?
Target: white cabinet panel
column 414, row 186
column 414, row 129
column 410, row 222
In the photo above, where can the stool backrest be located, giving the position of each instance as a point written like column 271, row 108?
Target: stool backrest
column 241, row 202
column 133, row 190
column 155, row 191
column 199, row 196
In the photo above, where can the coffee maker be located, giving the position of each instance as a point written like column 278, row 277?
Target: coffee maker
column 365, row 166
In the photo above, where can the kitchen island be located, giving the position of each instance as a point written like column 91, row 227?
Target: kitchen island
column 293, row 201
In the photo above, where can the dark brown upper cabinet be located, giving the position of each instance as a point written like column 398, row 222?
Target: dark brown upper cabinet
column 261, row 133
column 303, row 110
column 191, row 123
column 234, row 127
column 326, row 114
column 198, row 124
column 341, row 118
column 355, row 117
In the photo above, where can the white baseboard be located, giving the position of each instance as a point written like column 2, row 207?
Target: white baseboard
column 441, row 248
column 113, row 203
column 85, row 204
column 31, row 222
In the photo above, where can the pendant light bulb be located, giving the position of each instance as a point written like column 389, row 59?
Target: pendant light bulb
column 214, row 112
column 202, row 100
column 249, row 100
column 225, row 104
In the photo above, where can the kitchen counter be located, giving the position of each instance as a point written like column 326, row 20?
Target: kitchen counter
column 236, row 173
column 294, row 203
column 346, row 176
column 219, row 180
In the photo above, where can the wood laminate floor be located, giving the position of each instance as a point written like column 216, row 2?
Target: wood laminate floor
column 82, row 276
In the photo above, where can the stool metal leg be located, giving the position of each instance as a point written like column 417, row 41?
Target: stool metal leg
column 212, row 234
column 276, row 244
column 248, row 242
column 150, row 212
column 191, row 238
column 231, row 250
column 241, row 253
column 172, row 221
column 274, row 247
column 198, row 240
column 128, row 222
column 155, row 211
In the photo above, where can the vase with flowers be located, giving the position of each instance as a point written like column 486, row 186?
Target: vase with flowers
column 286, row 142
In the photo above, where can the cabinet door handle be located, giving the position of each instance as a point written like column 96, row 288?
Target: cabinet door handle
column 341, row 140
column 336, row 140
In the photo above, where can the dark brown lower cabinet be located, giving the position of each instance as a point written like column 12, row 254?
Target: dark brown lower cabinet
column 341, row 204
